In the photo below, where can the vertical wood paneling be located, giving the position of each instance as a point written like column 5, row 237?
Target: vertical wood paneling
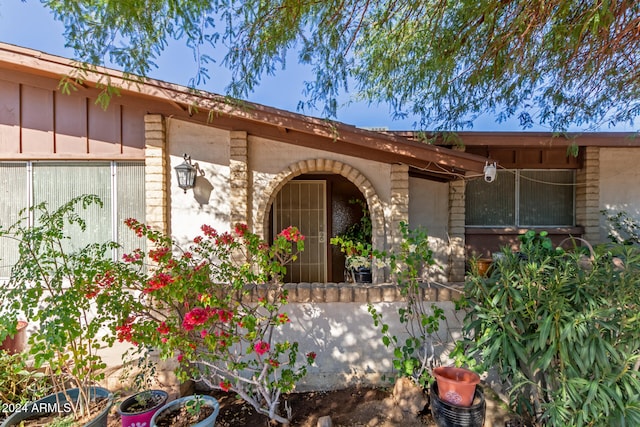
column 37, row 120
column 9, row 118
column 104, row 129
column 132, row 130
column 71, row 125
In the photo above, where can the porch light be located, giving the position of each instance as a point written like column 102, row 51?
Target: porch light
column 186, row 174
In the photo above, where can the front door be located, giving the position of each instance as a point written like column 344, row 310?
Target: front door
column 303, row 204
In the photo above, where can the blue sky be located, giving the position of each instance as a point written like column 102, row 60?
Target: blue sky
column 29, row 24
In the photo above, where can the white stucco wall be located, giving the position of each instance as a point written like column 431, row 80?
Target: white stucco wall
column 208, row 203
column 619, row 183
column 349, row 347
column 429, row 208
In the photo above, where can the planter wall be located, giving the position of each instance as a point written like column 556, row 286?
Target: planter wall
column 50, row 404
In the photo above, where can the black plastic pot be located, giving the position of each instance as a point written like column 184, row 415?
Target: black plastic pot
column 362, row 275
column 447, row 415
column 59, row 403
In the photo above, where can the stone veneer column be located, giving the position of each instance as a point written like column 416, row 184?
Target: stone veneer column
column 399, row 203
column 239, row 179
column 588, row 195
column 456, row 231
column 155, row 169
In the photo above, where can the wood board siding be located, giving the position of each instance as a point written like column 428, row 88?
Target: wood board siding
column 37, row 121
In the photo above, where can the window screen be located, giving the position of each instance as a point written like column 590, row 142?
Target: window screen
column 522, row 198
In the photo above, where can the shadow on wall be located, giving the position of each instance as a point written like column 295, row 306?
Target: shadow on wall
column 349, row 347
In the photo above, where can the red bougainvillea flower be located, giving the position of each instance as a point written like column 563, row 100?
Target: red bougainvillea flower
column 209, row 231
column 180, row 357
column 283, row 318
column 241, row 229
column 261, row 347
column 163, row 328
column 292, row 234
column 159, row 281
column 224, row 239
column 204, row 333
column 225, row 385
column 158, row 254
column 197, row 316
column 311, row 357
column 274, row 363
column 224, row 315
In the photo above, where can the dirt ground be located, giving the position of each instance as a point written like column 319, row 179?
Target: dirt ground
column 350, row 407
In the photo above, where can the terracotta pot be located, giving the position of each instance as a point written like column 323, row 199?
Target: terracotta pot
column 15, row 344
column 456, row 385
column 483, row 266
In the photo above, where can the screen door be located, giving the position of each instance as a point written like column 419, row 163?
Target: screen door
column 303, row 205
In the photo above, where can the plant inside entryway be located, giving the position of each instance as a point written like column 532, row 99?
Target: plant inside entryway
column 560, row 327
column 356, row 244
column 194, row 304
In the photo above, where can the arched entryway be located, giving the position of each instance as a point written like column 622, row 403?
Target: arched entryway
column 317, row 192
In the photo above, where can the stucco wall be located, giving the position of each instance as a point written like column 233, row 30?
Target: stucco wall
column 619, row 177
column 348, row 346
column 429, row 208
column 208, row 203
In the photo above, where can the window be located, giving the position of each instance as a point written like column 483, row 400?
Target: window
column 522, row 198
column 120, row 186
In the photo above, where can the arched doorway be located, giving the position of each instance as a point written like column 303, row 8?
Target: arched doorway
column 321, row 206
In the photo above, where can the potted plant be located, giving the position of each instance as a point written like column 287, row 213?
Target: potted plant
column 54, row 285
column 199, row 410
column 15, row 337
column 355, row 243
column 215, row 304
column 138, row 409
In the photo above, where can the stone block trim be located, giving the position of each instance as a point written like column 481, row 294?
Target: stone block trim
column 156, row 174
column 350, row 293
column 239, row 178
column 588, row 194
column 399, row 202
column 456, row 231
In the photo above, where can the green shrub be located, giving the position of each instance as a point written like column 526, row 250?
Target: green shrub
column 562, row 329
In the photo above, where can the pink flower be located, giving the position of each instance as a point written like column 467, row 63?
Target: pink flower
column 225, row 385
column 204, row 333
column 180, row 357
column 197, row 316
column 292, row 234
column 261, row 347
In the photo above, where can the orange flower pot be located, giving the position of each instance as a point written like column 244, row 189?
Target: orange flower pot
column 456, row 385
column 16, row 343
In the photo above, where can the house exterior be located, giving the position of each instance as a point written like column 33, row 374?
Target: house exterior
column 270, row 168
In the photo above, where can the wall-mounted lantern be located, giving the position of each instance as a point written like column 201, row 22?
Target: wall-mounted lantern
column 186, row 174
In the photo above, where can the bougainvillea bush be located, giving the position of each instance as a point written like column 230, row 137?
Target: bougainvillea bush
column 191, row 302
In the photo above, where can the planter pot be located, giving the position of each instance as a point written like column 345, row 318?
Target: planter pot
column 362, row 275
column 483, row 265
column 15, row 344
column 447, row 415
column 177, row 405
column 137, row 410
column 59, row 403
column 456, row 385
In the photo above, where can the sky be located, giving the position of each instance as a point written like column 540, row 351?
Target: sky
column 29, row 24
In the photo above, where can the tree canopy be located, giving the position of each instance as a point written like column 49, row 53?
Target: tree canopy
column 555, row 63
